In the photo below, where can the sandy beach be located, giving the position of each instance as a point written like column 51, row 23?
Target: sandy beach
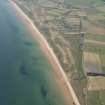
column 60, row 76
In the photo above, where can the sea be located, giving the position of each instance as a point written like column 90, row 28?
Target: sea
column 26, row 76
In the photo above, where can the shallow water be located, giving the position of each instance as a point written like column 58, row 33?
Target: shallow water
column 26, row 77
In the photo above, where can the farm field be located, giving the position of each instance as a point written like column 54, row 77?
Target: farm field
column 95, row 43
column 96, row 83
column 96, row 97
column 92, row 63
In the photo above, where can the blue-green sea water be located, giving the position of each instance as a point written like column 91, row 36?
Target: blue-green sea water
column 26, row 77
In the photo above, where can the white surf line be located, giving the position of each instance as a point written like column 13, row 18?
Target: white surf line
column 75, row 99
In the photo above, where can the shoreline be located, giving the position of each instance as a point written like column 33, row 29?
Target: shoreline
column 58, row 71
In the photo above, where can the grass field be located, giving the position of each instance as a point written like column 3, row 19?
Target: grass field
column 92, row 62
column 96, row 97
column 96, row 83
column 95, row 37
